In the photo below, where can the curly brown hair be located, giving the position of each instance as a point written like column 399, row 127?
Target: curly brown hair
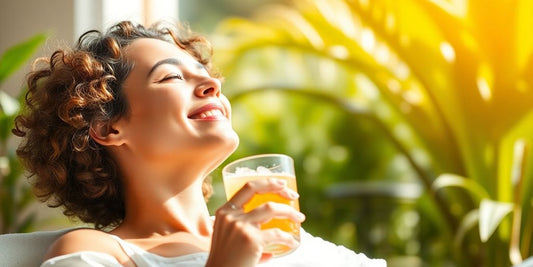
column 66, row 96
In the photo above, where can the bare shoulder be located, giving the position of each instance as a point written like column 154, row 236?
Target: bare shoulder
column 85, row 240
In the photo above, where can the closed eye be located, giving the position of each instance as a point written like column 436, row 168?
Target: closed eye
column 171, row 77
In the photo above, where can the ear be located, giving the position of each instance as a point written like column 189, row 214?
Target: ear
column 106, row 134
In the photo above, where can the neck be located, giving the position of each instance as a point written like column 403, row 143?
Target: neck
column 160, row 203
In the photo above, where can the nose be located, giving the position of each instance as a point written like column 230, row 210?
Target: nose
column 209, row 86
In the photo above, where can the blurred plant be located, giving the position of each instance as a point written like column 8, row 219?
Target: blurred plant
column 448, row 83
column 15, row 195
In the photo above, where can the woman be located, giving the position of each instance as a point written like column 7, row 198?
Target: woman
column 121, row 132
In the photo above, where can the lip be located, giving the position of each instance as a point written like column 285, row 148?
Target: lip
column 194, row 115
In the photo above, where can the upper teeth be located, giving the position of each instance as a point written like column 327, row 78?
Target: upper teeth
column 211, row 113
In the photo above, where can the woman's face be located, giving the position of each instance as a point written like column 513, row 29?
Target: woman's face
column 176, row 108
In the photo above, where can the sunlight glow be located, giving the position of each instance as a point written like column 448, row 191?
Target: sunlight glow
column 327, row 71
column 402, row 132
column 339, row 14
column 132, row 10
column 142, row 11
column 382, row 54
column 412, row 97
column 402, row 71
column 456, row 8
column 484, row 88
column 447, row 52
column 339, row 51
column 366, row 86
column 518, row 161
column 303, row 26
column 390, row 22
column 394, row 86
column 368, row 40
column 484, row 81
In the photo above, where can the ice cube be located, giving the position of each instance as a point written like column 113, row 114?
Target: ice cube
column 263, row 170
column 244, row 170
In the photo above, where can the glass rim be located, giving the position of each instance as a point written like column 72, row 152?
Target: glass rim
column 272, row 155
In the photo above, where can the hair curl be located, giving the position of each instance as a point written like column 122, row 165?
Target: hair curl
column 73, row 90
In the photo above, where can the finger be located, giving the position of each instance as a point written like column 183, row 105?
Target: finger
column 270, row 210
column 271, row 185
column 277, row 236
column 231, row 206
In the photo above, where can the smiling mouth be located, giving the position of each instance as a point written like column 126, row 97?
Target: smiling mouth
column 208, row 114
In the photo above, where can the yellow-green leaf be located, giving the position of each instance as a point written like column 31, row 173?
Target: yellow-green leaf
column 491, row 214
column 448, row 180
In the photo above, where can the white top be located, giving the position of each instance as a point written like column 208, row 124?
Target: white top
column 312, row 252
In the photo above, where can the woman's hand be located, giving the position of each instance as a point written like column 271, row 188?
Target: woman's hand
column 237, row 238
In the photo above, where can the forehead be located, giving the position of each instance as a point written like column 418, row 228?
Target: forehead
column 145, row 52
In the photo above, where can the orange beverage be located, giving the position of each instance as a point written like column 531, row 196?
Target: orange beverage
column 234, row 181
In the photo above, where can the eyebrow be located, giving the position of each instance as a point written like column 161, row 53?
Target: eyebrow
column 171, row 61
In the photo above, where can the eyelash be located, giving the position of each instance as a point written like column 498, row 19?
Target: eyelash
column 173, row 76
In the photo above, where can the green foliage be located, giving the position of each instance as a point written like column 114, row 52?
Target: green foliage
column 15, row 195
column 14, row 57
column 432, row 93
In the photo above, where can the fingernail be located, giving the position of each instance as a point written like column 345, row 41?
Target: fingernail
column 293, row 195
column 301, row 216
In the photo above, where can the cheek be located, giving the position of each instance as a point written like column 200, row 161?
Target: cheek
column 157, row 121
column 226, row 103
column 157, row 138
column 158, row 105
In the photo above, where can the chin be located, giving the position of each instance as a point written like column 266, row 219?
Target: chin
column 231, row 142
column 223, row 148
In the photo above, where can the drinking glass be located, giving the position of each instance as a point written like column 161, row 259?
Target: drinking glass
column 279, row 166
